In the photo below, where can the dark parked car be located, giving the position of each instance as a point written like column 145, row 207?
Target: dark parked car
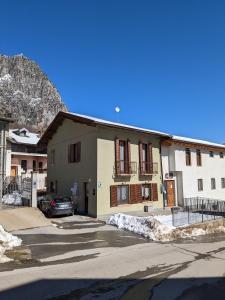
column 56, row 205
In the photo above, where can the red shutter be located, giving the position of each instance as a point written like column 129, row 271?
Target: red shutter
column 135, row 194
column 117, row 156
column 154, row 192
column 128, row 157
column 113, row 196
column 150, row 159
column 140, row 158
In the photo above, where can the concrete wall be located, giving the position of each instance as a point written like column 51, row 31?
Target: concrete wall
column 212, row 167
column 105, row 167
column 66, row 174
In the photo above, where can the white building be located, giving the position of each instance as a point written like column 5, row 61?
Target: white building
column 192, row 168
column 24, row 156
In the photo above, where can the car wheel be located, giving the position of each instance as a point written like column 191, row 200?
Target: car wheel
column 49, row 214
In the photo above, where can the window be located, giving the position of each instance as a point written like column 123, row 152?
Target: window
column 34, row 165
column 122, row 194
column 213, row 183
column 52, row 157
column 188, row 156
column 200, row 185
column 53, row 186
column 24, row 165
column 146, row 192
column 74, row 153
column 221, row 154
column 123, row 157
column 40, row 166
column 198, row 157
column 211, row 153
column 145, row 158
column 222, row 183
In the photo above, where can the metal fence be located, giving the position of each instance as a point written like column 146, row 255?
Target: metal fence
column 197, row 210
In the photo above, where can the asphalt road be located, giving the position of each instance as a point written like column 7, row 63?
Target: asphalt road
column 85, row 259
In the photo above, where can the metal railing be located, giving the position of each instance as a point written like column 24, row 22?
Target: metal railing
column 197, row 210
column 124, row 167
column 148, row 168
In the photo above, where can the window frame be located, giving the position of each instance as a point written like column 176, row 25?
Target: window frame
column 146, row 185
column 198, row 157
column 74, row 152
column 200, row 184
column 119, row 193
column 188, row 156
column 213, row 183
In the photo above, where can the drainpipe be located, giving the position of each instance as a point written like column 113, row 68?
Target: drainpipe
column 160, row 153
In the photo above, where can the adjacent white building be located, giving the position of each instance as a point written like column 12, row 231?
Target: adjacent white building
column 192, row 168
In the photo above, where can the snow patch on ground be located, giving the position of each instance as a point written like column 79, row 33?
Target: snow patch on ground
column 7, row 242
column 158, row 228
column 12, row 199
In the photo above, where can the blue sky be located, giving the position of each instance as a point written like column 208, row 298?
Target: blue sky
column 162, row 62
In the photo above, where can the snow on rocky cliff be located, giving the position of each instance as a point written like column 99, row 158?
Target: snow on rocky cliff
column 26, row 93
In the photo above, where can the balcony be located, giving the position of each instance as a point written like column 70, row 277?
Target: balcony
column 148, row 168
column 123, row 167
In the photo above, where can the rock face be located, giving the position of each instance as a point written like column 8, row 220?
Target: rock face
column 27, row 94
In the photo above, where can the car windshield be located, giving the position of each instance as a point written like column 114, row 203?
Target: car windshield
column 62, row 199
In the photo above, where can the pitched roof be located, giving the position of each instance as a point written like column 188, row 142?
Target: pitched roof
column 29, row 138
column 196, row 141
column 92, row 121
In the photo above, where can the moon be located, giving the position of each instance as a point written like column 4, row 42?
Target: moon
column 117, row 109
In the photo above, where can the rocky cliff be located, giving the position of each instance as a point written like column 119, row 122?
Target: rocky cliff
column 27, row 94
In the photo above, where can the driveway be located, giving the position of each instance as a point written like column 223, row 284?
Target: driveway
column 81, row 258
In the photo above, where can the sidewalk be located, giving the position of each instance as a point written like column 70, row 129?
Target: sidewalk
column 141, row 213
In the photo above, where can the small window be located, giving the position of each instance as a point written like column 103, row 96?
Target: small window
column 213, row 183
column 122, row 194
column 221, row 155
column 211, row 153
column 24, row 165
column 52, row 157
column 34, row 165
column 188, row 156
column 74, row 153
column 222, row 183
column 200, row 185
column 198, row 157
column 146, row 192
column 53, row 186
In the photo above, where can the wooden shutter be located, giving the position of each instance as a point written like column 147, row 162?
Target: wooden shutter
column 154, row 192
column 140, row 158
column 150, row 159
column 113, row 196
column 78, row 152
column 128, row 157
column 135, row 194
column 117, row 156
column 69, row 154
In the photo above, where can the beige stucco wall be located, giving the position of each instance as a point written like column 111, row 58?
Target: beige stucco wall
column 105, row 166
column 67, row 173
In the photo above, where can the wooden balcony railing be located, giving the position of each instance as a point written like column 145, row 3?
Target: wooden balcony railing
column 148, row 168
column 123, row 167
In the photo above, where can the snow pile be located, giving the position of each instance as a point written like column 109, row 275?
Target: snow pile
column 159, row 228
column 12, row 199
column 148, row 227
column 7, row 242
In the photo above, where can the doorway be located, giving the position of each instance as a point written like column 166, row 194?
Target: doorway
column 14, row 170
column 86, row 197
column 170, row 189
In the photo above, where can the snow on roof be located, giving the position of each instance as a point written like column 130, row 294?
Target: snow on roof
column 125, row 126
column 196, row 141
column 28, row 138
